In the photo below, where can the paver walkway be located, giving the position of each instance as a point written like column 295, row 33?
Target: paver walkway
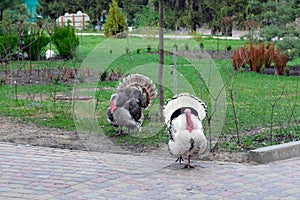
column 28, row 172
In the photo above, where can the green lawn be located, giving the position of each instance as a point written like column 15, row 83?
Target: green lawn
column 261, row 101
column 254, row 94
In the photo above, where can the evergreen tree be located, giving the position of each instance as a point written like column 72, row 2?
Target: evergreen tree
column 96, row 10
column 274, row 16
column 14, row 19
column 56, row 8
column 131, row 7
column 8, row 4
column 65, row 41
column 147, row 17
column 116, row 20
column 221, row 15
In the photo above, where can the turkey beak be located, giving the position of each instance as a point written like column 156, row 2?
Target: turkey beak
column 113, row 105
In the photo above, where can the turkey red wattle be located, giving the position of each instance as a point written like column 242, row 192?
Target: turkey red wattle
column 189, row 122
column 112, row 107
column 113, row 103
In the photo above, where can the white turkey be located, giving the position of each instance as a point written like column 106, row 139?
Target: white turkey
column 134, row 93
column 183, row 116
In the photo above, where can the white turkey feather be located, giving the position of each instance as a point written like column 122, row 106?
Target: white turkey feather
column 180, row 145
column 182, row 101
column 179, row 123
column 183, row 116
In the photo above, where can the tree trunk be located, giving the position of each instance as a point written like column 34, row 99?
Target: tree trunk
column 1, row 14
column 161, row 61
column 99, row 23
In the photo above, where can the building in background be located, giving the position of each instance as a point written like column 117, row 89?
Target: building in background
column 78, row 20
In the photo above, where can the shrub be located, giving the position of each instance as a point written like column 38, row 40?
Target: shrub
column 65, row 40
column 228, row 48
column 8, row 44
column 280, row 61
column 149, row 47
column 199, row 38
column 259, row 56
column 268, row 55
column 34, row 45
column 269, row 32
column 239, row 58
column 256, row 57
column 103, row 76
column 186, row 46
column 291, row 46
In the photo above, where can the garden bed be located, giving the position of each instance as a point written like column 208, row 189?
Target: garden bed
column 46, row 76
column 291, row 71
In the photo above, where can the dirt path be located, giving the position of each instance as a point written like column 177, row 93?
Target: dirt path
column 16, row 132
column 30, row 134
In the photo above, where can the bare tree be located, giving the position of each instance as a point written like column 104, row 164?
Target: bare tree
column 161, row 60
column 276, row 100
column 290, row 112
column 233, row 104
column 216, row 97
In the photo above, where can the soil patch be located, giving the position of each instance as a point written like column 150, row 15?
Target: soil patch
column 13, row 131
column 47, row 75
column 291, row 71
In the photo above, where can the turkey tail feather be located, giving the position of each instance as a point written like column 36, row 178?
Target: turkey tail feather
column 176, row 106
column 142, row 83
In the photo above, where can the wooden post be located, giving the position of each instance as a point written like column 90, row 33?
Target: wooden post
column 175, row 70
column 73, row 19
column 62, row 21
column 82, row 24
column 161, row 61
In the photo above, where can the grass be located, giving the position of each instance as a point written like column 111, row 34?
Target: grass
column 295, row 62
column 35, row 104
column 254, row 94
column 87, row 44
column 263, row 139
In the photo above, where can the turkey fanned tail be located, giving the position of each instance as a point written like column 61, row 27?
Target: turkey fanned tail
column 183, row 116
column 134, row 93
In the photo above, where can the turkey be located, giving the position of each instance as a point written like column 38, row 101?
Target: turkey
column 134, row 93
column 183, row 116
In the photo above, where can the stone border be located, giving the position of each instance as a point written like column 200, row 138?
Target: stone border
column 276, row 152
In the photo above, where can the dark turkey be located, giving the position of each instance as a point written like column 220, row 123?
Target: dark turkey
column 133, row 94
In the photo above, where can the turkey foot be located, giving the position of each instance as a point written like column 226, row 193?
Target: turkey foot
column 179, row 159
column 187, row 166
column 121, row 132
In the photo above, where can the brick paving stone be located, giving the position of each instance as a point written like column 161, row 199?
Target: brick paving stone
column 5, row 189
column 103, row 185
column 297, row 195
column 12, row 195
column 292, row 191
column 28, row 172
